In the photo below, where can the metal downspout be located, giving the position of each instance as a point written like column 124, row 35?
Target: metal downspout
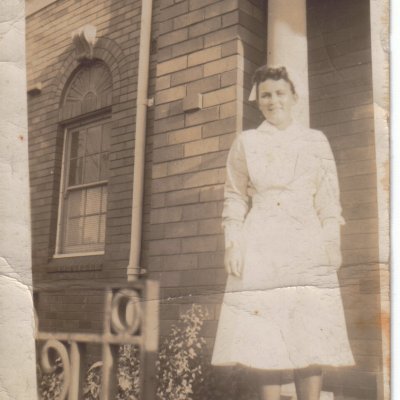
column 140, row 140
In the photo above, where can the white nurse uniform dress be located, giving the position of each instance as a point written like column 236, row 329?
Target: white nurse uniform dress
column 285, row 311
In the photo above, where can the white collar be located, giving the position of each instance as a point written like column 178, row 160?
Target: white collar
column 265, row 126
column 293, row 131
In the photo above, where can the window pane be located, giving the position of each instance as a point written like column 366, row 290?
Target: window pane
column 104, row 166
column 75, row 172
column 105, row 145
column 84, row 209
column 76, row 203
column 91, row 229
column 93, row 140
column 102, row 232
column 89, row 102
column 77, row 144
column 93, row 201
column 74, row 232
column 92, row 169
column 104, row 199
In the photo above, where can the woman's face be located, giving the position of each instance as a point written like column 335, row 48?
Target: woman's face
column 275, row 101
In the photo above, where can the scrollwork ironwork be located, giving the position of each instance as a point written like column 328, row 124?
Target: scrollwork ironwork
column 130, row 318
column 126, row 311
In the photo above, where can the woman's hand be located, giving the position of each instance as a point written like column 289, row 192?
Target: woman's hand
column 334, row 255
column 233, row 261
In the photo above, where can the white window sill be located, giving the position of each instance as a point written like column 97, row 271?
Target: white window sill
column 69, row 255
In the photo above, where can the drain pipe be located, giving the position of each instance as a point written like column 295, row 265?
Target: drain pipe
column 142, row 103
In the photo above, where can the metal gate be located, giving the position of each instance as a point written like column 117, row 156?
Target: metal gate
column 130, row 317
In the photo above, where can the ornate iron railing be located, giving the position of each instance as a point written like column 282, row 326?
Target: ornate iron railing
column 130, row 317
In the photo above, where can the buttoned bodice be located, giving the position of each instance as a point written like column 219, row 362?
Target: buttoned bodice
column 281, row 187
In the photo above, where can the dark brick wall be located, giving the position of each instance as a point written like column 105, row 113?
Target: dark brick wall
column 341, row 106
column 51, row 62
column 207, row 48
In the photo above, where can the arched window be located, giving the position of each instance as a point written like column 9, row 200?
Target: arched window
column 85, row 114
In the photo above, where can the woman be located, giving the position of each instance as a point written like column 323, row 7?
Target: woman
column 282, row 308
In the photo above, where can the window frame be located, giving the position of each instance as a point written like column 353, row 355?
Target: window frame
column 93, row 119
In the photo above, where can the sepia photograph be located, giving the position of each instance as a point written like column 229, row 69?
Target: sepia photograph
column 195, row 200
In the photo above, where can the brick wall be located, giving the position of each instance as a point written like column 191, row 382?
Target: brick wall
column 207, row 49
column 70, row 310
column 51, row 62
column 341, row 106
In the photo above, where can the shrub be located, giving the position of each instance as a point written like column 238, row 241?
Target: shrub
column 91, row 390
column 128, row 376
column 179, row 364
column 50, row 385
column 128, row 372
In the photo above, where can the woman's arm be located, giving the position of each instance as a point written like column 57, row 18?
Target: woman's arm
column 236, row 205
column 327, row 203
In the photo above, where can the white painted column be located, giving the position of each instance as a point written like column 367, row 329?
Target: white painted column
column 17, row 331
column 287, row 46
column 379, row 10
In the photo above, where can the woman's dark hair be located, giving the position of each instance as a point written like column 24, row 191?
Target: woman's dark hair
column 263, row 73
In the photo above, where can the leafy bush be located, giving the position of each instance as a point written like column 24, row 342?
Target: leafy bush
column 128, row 372
column 179, row 363
column 91, row 390
column 128, row 376
column 50, row 385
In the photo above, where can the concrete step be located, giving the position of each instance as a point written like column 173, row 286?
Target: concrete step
column 324, row 396
column 289, row 393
